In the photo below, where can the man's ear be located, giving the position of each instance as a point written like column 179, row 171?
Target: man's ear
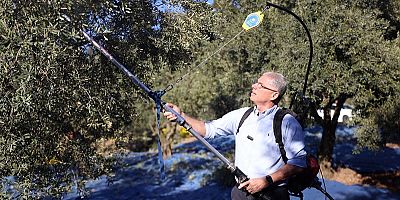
column 275, row 96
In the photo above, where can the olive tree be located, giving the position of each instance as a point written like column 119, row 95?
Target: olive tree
column 58, row 95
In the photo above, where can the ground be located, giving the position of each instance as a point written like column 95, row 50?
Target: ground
column 190, row 173
column 388, row 180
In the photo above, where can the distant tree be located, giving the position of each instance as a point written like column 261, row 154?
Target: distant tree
column 352, row 59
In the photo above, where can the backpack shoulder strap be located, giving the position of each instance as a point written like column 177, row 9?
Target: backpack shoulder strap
column 244, row 117
column 277, row 126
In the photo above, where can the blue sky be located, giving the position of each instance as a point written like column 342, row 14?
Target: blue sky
column 164, row 7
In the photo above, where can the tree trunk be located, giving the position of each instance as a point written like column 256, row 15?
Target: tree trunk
column 328, row 139
column 329, row 125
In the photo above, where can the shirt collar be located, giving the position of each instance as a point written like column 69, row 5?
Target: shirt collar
column 266, row 112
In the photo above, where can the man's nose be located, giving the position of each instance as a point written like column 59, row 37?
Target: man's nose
column 254, row 86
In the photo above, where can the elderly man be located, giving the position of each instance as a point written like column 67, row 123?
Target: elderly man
column 256, row 151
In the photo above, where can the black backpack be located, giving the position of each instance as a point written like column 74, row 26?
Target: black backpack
column 300, row 181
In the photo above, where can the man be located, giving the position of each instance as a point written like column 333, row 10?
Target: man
column 256, row 152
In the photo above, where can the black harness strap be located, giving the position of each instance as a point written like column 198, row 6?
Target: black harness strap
column 245, row 115
column 277, row 126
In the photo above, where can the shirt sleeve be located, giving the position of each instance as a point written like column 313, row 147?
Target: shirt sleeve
column 226, row 125
column 293, row 140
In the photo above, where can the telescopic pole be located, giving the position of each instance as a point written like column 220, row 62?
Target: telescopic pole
column 156, row 97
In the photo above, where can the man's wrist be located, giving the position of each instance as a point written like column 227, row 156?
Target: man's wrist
column 269, row 179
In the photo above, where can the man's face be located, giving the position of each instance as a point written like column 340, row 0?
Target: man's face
column 262, row 91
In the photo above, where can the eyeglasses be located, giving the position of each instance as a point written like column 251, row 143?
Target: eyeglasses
column 259, row 85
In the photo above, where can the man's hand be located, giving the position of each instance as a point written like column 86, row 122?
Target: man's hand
column 196, row 124
column 170, row 116
column 254, row 185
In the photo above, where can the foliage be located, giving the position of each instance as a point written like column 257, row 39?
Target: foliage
column 382, row 126
column 59, row 96
column 389, row 120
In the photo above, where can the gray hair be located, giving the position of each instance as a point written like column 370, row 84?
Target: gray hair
column 278, row 81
